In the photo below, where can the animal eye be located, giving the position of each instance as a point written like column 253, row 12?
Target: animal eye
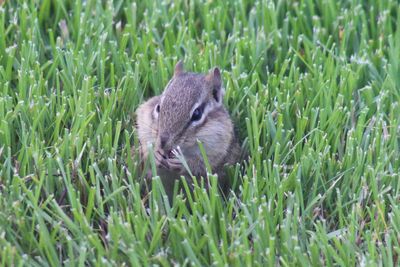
column 196, row 115
column 158, row 108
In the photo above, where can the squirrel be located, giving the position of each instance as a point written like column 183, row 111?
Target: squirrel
column 189, row 110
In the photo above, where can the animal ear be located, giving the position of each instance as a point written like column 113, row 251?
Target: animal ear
column 179, row 68
column 214, row 77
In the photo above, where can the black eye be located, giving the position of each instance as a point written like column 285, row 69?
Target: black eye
column 158, row 108
column 196, row 115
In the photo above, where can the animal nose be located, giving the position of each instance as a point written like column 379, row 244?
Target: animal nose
column 163, row 140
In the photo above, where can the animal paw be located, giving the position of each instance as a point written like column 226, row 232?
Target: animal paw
column 175, row 165
column 168, row 163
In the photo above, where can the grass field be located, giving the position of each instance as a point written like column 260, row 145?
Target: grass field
column 313, row 87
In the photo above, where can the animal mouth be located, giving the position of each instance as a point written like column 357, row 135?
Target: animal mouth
column 171, row 154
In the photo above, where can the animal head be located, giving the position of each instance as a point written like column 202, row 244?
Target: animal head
column 184, row 107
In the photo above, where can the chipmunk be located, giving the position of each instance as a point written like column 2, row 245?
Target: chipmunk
column 189, row 110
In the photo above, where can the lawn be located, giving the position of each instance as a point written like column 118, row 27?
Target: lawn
column 312, row 86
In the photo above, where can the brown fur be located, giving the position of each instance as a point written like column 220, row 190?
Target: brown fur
column 214, row 129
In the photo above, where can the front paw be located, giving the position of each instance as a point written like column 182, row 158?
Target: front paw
column 171, row 164
column 175, row 165
column 161, row 160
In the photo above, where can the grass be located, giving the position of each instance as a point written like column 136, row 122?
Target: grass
column 313, row 87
